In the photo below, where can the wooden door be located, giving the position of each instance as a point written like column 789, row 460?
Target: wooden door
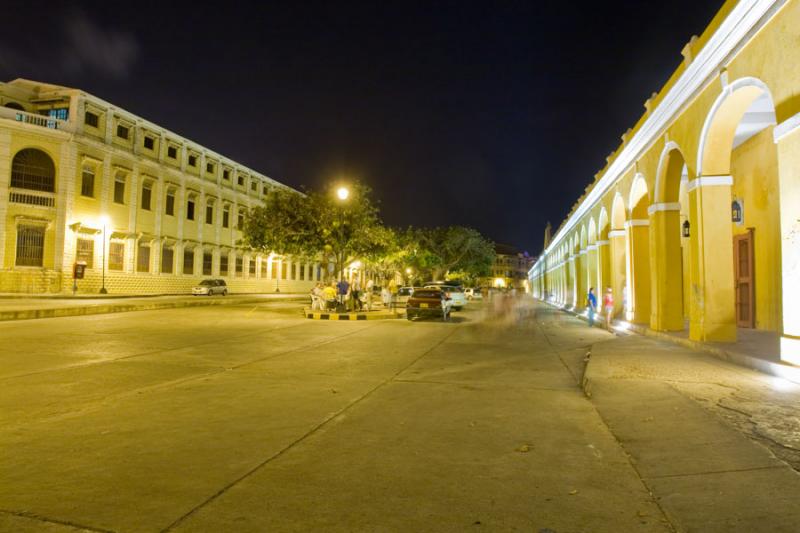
column 744, row 279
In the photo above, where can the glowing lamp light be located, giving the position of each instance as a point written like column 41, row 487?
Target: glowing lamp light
column 104, row 220
column 499, row 282
column 408, row 271
column 342, row 193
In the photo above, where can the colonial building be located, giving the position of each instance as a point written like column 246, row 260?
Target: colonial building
column 144, row 209
column 696, row 216
column 510, row 268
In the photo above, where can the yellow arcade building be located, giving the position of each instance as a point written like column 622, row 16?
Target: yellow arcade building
column 145, row 210
column 695, row 220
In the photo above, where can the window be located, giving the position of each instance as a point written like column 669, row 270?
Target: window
column 85, row 251
column 239, row 265
column 149, row 142
column 283, row 270
column 190, row 209
column 210, row 168
column 274, row 274
column 301, row 272
column 91, row 119
column 208, row 260
column 143, row 258
column 192, row 160
column 188, row 261
column 240, row 181
column 30, row 246
column 172, row 152
column 34, row 170
column 116, row 255
column 263, row 268
column 167, row 258
column 254, row 185
column 122, row 131
column 265, row 190
column 210, row 214
column 226, row 174
column 87, row 182
column 119, row 189
column 240, row 220
column 170, row 209
column 225, row 216
column 251, row 267
column 223, row 265
column 146, row 195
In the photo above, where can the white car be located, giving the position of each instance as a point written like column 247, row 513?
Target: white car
column 456, row 294
column 473, row 294
column 208, row 287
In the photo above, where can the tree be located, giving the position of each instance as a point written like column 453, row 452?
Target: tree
column 318, row 226
column 455, row 248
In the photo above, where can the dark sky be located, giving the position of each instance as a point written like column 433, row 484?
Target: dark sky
column 494, row 116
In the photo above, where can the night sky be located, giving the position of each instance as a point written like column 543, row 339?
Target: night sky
column 494, row 116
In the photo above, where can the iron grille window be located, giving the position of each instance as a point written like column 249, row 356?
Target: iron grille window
column 226, row 174
column 87, row 183
column 240, row 180
column 119, row 190
column 274, row 274
column 167, row 259
column 263, row 268
column 170, row 210
column 190, row 210
column 225, row 216
column 209, row 214
column 283, row 271
column 210, row 168
column 116, row 256
column 240, row 220
column 252, row 268
column 146, row 195
column 172, row 152
column 301, row 272
column 223, row 265
column 239, row 265
column 265, row 191
column 253, row 186
column 30, row 246
column 149, row 142
column 192, row 160
column 91, row 119
column 85, row 252
column 34, row 170
column 122, row 131
column 143, row 259
column 208, row 261
column 188, row 261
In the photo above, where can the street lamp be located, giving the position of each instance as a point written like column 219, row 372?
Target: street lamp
column 104, row 222
column 342, row 193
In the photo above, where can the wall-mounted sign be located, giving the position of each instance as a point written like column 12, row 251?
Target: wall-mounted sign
column 737, row 212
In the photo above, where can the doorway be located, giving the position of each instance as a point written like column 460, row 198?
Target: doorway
column 744, row 279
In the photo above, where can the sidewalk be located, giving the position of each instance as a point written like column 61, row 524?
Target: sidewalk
column 20, row 307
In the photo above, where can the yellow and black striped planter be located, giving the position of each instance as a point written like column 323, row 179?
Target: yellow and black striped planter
column 371, row 315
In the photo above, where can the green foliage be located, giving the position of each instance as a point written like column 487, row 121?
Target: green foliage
column 454, row 248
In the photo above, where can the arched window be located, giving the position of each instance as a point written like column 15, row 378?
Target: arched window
column 33, row 169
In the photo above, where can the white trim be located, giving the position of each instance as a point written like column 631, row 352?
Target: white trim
column 582, row 252
column 744, row 20
column 709, row 181
column 603, row 243
column 616, row 233
column 655, row 208
column 637, row 222
column 786, row 127
column 662, row 167
column 591, row 247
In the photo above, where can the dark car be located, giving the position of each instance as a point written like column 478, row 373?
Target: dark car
column 428, row 302
column 209, row 287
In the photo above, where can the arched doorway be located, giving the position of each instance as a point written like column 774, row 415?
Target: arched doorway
column 738, row 284
column 618, row 248
column 33, row 169
column 638, row 253
column 603, row 255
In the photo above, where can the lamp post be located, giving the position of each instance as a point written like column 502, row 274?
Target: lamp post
column 104, row 221
column 342, row 193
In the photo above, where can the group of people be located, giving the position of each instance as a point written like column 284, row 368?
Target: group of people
column 608, row 306
column 349, row 296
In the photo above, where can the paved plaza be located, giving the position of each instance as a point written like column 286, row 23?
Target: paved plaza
column 249, row 417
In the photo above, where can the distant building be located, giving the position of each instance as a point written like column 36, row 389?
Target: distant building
column 83, row 181
column 510, row 268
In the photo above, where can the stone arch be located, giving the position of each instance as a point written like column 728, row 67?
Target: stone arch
column 33, row 169
column 602, row 224
column 618, row 211
column 638, row 199
column 591, row 234
column 638, row 264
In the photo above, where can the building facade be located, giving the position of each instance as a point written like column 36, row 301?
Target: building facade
column 145, row 210
column 510, row 269
column 694, row 221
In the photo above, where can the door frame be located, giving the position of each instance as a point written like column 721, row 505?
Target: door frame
column 749, row 237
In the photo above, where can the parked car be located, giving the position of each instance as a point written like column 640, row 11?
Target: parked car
column 209, row 287
column 404, row 293
column 453, row 292
column 473, row 293
column 429, row 302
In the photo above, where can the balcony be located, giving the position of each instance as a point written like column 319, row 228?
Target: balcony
column 33, row 198
column 36, row 120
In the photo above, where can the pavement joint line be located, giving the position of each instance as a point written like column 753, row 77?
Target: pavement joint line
column 461, row 383
column 642, row 480
column 305, row 436
column 714, row 472
column 47, row 520
column 99, row 402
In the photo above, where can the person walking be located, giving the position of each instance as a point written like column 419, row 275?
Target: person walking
column 591, row 304
column 393, row 293
column 356, row 295
column 608, row 306
column 368, row 294
column 342, row 289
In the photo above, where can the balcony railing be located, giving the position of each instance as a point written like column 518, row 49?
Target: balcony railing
column 36, row 198
column 37, row 120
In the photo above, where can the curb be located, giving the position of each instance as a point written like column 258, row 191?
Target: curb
column 319, row 315
column 58, row 312
column 781, row 370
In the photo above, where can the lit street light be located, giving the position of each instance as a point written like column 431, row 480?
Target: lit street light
column 104, row 222
column 342, row 193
